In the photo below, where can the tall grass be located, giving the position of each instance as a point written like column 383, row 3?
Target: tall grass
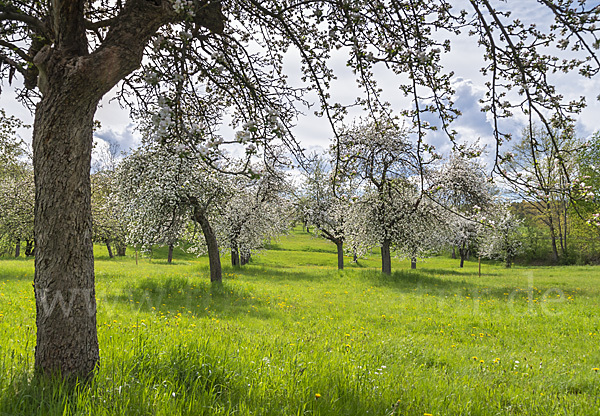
column 290, row 335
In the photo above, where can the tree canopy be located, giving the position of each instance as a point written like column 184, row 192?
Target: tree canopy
column 200, row 58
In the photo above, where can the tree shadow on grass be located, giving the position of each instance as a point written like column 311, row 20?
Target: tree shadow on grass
column 290, row 273
column 425, row 281
column 25, row 394
column 176, row 295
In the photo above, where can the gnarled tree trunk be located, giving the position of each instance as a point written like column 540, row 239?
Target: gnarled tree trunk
column 463, row 254
column 121, row 248
column 71, row 82
column 67, row 342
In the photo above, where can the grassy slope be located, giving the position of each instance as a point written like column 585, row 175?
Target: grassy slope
column 289, row 327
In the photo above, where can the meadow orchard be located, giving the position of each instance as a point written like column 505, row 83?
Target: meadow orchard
column 290, row 334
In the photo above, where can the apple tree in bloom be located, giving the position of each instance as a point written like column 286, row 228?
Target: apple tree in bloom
column 17, row 194
column 381, row 157
column 16, row 189
column 325, row 203
column 587, row 184
column 161, row 191
column 109, row 226
column 256, row 212
column 502, row 238
column 461, row 186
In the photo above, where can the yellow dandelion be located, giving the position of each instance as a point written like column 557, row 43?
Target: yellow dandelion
column 317, row 396
column 596, row 369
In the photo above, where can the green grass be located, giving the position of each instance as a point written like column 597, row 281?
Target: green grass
column 288, row 327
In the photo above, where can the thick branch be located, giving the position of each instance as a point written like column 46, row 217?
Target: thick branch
column 13, row 14
column 69, row 26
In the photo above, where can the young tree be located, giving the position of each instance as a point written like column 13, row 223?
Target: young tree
column 462, row 187
column 72, row 52
column 502, row 238
column 323, row 207
column 254, row 214
column 109, row 227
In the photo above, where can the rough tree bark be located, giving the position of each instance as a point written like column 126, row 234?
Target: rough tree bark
column 386, row 257
column 413, row 263
column 71, row 82
column 18, row 248
column 214, row 258
column 67, row 342
column 245, row 258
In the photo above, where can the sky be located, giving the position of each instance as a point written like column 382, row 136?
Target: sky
column 314, row 133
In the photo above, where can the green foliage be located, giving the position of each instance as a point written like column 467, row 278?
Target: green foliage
column 289, row 327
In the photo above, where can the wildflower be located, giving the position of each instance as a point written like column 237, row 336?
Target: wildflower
column 474, row 358
column 317, row 396
column 596, row 369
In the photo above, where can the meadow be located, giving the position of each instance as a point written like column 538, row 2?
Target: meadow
column 289, row 334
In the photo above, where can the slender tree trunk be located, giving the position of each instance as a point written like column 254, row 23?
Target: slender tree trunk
column 565, row 231
column 235, row 256
column 453, row 252
column 386, row 257
column 340, row 254
column 463, row 253
column 413, row 263
column 244, row 258
column 552, row 233
column 354, row 256
column 554, row 247
column 110, row 253
column 67, row 341
column 170, row 256
column 18, row 248
column 214, row 258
